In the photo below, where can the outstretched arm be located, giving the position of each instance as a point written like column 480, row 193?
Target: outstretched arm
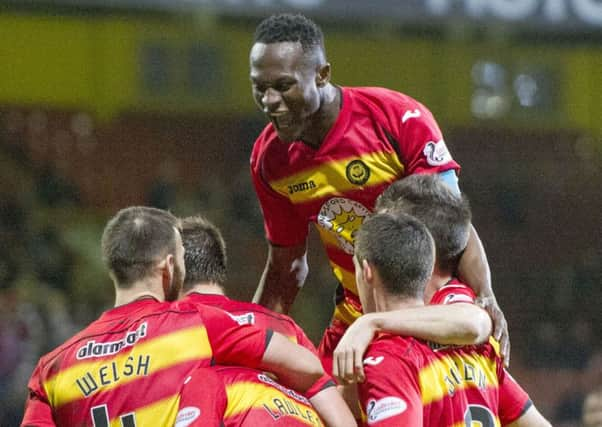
column 283, row 277
column 298, row 368
column 332, row 408
column 474, row 270
column 460, row 323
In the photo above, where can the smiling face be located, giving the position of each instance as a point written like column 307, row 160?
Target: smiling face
column 286, row 82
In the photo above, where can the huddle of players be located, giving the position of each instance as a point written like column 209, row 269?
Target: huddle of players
column 149, row 361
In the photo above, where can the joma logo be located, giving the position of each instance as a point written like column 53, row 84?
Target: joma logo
column 302, row 186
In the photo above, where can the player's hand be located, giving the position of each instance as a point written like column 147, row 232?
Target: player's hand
column 500, row 326
column 592, row 410
column 348, row 366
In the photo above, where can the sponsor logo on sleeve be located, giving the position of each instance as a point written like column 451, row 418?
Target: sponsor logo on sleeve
column 244, row 319
column 410, row 114
column 436, row 153
column 453, row 298
column 186, row 416
column 387, row 407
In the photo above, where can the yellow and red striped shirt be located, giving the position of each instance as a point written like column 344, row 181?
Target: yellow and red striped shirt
column 127, row 367
column 246, row 397
column 379, row 136
column 410, row 383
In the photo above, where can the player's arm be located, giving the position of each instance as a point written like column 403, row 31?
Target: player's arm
column 592, row 409
column 515, row 407
column 460, row 323
column 283, row 277
column 286, row 231
column 38, row 412
column 474, row 270
column 331, row 407
column 247, row 345
column 296, row 367
column 531, row 418
column 426, row 152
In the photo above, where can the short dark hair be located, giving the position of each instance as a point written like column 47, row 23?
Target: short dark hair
column 204, row 252
column 135, row 239
column 445, row 213
column 287, row 27
column 401, row 250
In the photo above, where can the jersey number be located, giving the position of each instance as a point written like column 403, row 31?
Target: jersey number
column 478, row 416
column 100, row 417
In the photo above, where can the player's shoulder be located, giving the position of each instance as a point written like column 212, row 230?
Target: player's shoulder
column 267, row 141
column 190, row 307
column 386, row 98
column 395, row 346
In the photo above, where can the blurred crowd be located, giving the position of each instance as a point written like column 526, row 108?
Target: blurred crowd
column 52, row 281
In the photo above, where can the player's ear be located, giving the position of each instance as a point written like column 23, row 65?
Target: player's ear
column 367, row 272
column 167, row 271
column 323, row 75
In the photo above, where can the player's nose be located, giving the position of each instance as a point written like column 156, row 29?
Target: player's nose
column 270, row 100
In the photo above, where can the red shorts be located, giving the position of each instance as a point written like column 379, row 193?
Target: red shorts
column 330, row 340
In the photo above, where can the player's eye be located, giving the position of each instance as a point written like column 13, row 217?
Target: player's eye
column 283, row 87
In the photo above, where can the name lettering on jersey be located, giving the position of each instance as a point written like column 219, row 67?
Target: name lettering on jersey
column 292, row 393
column 387, row 407
column 357, row 172
column 436, row 153
column 465, row 373
column 94, row 349
column 410, row 114
column 244, row 319
column 111, row 373
column 283, row 407
column 302, row 186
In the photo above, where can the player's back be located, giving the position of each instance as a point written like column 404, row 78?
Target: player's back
column 409, row 383
column 126, row 368
column 248, row 398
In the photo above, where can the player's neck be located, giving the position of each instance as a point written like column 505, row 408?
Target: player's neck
column 437, row 281
column 206, row 288
column 323, row 120
column 138, row 290
column 387, row 302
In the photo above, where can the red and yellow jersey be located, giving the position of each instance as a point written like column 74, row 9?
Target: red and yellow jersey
column 379, row 136
column 244, row 397
column 513, row 399
column 409, row 383
column 127, row 367
column 255, row 314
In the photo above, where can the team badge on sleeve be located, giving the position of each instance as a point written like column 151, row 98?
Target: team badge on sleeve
column 387, row 407
column 436, row 153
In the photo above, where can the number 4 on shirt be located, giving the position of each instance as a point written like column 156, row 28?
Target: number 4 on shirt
column 100, row 417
